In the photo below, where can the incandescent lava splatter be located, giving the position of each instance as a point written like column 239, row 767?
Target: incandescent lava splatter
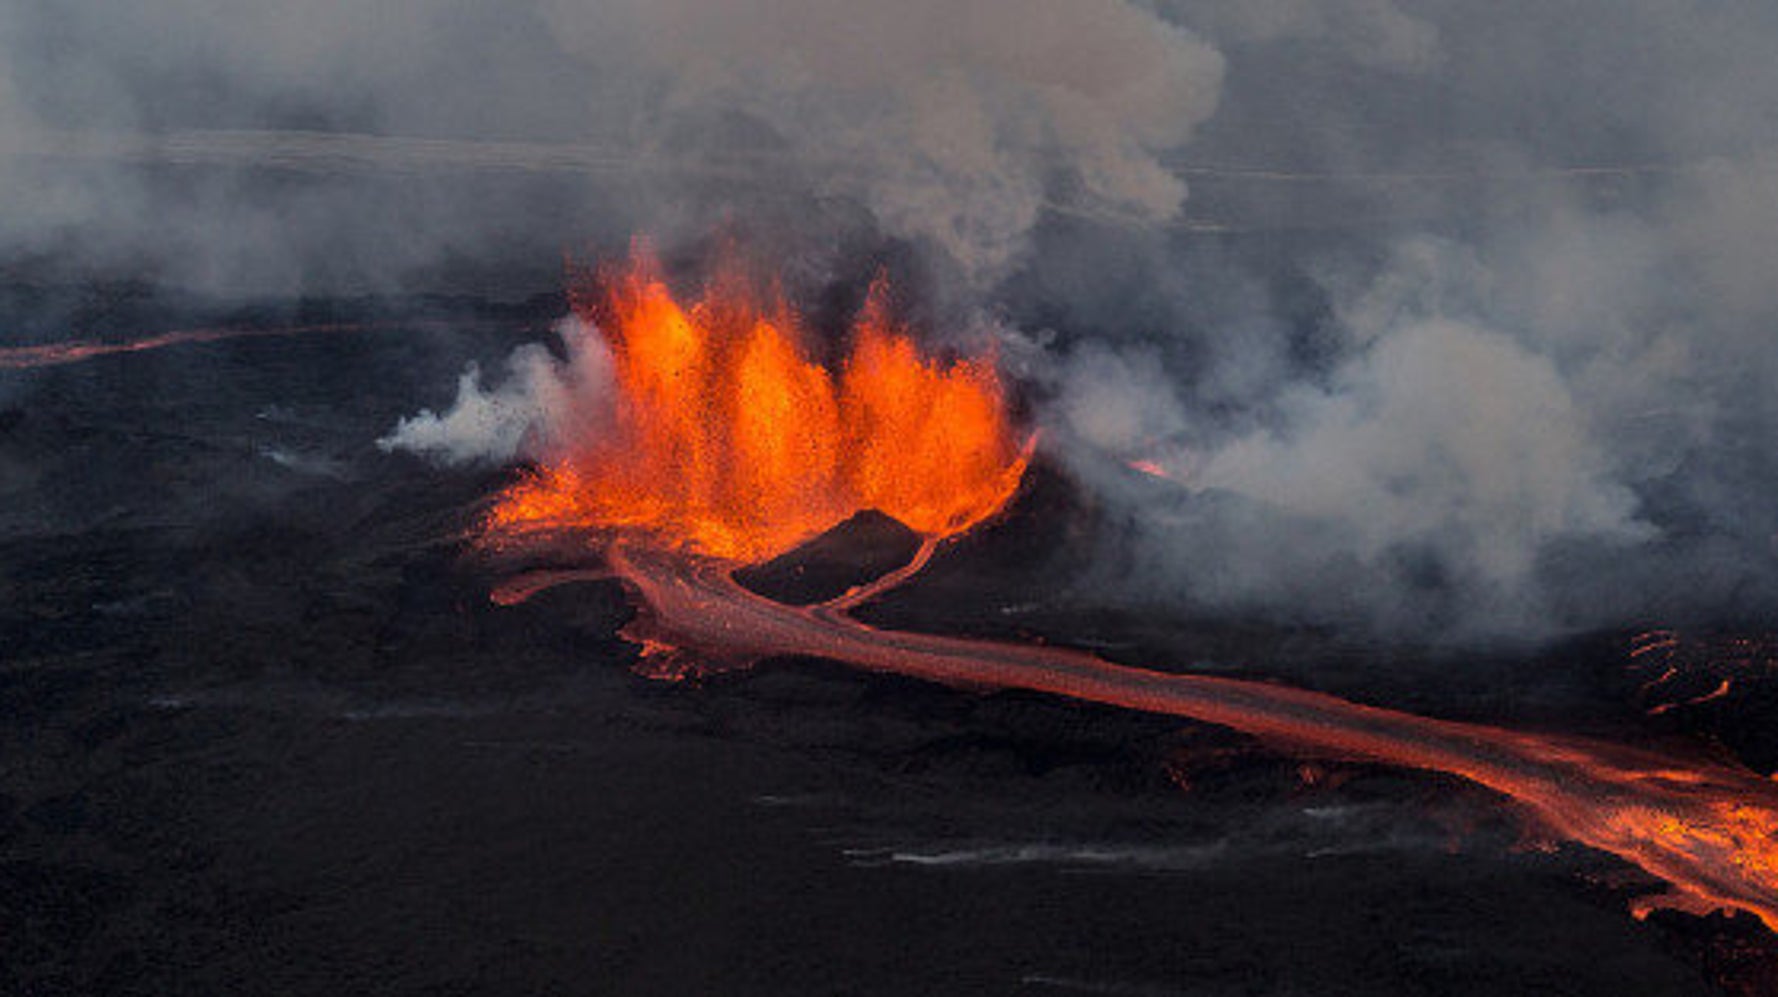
column 728, row 440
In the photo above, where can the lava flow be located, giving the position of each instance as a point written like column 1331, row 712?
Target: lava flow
column 57, row 354
column 1708, row 829
column 730, row 445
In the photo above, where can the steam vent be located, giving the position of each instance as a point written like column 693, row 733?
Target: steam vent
column 1029, row 497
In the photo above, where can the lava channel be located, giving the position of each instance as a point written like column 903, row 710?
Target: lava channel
column 1708, row 829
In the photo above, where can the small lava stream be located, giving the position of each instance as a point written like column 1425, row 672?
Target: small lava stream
column 74, row 351
column 1708, row 829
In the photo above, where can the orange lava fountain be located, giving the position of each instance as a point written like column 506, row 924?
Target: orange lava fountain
column 728, row 440
column 729, row 444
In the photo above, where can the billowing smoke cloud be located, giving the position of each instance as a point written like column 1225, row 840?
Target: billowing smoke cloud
column 1373, row 33
column 1552, row 425
column 947, row 118
column 538, row 405
column 1442, row 435
column 1504, row 379
column 480, row 425
column 1119, row 403
column 953, row 124
column 1467, row 330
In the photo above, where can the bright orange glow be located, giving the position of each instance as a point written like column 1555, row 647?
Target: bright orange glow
column 728, row 440
column 1149, row 468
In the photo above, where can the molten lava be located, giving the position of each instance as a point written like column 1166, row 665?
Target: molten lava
column 75, row 351
column 1708, row 828
column 728, row 440
column 729, row 443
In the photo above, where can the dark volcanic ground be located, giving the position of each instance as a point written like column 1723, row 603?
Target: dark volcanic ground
column 263, row 733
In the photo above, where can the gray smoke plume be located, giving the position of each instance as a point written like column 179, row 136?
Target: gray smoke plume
column 1464, row 329
column 946, row 118
column 1488, row 359
column 953, row 124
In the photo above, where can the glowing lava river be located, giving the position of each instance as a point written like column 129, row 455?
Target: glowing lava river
column 1710, row 830
column 931, row 445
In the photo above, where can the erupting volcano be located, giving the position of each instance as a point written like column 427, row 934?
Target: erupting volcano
column 728, row 444
column 727, row 440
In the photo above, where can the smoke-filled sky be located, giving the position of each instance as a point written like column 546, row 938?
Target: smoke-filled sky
column 1449, row 317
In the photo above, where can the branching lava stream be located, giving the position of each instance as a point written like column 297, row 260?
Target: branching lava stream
column 1708, row 829
column 729, row 444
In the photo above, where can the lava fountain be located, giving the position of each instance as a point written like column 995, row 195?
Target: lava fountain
column 728, row 440
column 729, row 444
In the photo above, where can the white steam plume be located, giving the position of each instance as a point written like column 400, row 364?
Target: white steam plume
column 541, row 403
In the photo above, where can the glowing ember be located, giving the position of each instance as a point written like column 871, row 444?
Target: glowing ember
column 1149, row 468
column 728, row 440
column 1683, row 670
